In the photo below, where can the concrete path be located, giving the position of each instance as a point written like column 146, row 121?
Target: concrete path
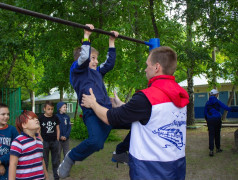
column 223, row 124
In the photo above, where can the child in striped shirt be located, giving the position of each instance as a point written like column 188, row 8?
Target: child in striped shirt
column 26, row 154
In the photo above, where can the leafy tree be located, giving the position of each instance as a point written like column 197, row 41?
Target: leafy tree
column 193, row 52
column 16, row 52
column 50, row 45
column 219, row 26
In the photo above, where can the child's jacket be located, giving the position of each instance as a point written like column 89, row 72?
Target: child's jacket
column 65, row 125
column 82, row 77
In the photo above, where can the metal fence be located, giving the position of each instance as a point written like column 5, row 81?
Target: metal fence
column 12, row 97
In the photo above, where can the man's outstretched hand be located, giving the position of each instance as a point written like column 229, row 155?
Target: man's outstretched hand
column 88, row 100
column 116, row 102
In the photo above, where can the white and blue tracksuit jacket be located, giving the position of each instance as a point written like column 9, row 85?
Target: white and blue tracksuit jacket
column 157, row 149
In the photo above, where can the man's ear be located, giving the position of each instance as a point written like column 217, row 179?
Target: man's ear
column 157, row 67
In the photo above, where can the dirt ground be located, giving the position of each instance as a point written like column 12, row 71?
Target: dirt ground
column 200, row 166
column 223, row 166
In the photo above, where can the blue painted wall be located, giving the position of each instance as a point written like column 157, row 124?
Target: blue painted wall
column 223, row 96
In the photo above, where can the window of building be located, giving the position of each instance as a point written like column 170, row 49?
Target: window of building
column 42, row 108
column 69, row 107
column 37, row 108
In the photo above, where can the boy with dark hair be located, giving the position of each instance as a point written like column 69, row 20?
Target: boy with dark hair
column 26, row 159
column 7, row 134
column 65, row 128
column 50, row 133
column 85, row 73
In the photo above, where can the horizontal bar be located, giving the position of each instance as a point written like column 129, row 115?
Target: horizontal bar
column 62, row 21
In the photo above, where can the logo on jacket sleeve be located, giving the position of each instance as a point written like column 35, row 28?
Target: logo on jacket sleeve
column 172, row 132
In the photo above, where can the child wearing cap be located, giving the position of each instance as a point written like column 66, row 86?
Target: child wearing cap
column 213, row 117
column 65, row 127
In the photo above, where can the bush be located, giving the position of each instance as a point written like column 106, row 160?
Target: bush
column 112, row 136
column 79, row 131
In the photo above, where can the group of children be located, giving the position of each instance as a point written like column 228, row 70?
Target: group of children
column 29, row 151
column 27, row 145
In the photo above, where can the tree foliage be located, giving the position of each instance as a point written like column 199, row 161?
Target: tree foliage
column 37, row 54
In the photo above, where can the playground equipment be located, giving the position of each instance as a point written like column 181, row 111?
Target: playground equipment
column 153, row 43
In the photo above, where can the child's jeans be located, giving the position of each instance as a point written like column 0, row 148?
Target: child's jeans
column 97, row 135
column 52, row 146
column 63, row 145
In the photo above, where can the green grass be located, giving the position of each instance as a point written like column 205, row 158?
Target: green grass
column 200, row 166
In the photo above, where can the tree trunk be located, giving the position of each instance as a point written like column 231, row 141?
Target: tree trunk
column 32, row 97
column 152, row 15
column 100, row 17
column 229, row 100
column 33, row 102
column 214, row 79
column 228, row 103
column 14, row 58
column 61, row 94
column 190, row 106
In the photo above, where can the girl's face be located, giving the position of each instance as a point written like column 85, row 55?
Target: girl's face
column 4, row 116
column 63, row 109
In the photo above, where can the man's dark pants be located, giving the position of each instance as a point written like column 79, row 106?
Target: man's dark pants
column 214, row 128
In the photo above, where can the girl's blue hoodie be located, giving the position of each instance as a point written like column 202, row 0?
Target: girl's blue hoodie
column 65, row 125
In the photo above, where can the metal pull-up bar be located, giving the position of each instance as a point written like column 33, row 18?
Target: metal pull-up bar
column 153, row 43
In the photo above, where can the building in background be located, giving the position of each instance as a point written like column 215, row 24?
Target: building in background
column 201, row 95
column 54, row 96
